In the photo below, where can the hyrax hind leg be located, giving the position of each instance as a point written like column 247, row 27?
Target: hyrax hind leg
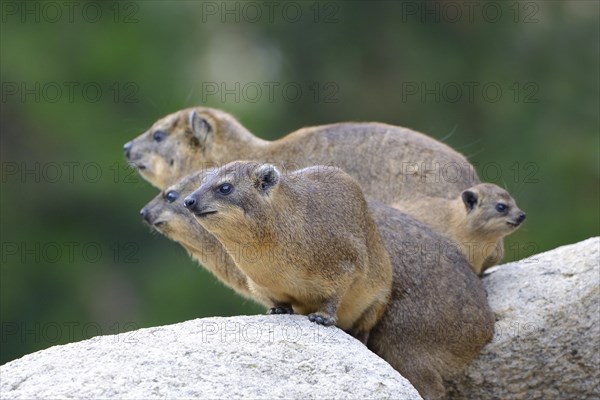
column 361, row 329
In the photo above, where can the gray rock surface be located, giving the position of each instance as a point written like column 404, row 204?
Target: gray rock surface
column 547, row 341
column 260, row 357
column 547, row 346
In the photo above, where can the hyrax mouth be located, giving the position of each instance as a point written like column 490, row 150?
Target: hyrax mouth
column 204, row 213
column 514, row 224
column 136, row 165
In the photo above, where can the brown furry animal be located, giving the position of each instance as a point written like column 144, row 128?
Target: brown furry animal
column 390, row 163
column 316, row 254
column 476, row 221
column 437, row 318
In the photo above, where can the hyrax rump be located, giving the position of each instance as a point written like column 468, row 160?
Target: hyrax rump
column 437, row 318
column 376, row 154
column 477, row 220
column 316, row 253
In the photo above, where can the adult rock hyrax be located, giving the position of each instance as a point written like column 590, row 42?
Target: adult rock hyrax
column 476, row 221
column 317, row 249
column 437, row 319
column 391, row 163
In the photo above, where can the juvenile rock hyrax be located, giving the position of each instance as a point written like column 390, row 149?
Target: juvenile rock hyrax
column 476, row 221
column 437, row 318
column 316, row 253
column 390, row 163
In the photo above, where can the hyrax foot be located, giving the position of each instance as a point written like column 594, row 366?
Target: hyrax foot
column 321, row 319
column 281, row 310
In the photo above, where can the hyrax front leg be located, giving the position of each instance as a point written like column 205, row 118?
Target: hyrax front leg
column 281, row 308
column 326, row 315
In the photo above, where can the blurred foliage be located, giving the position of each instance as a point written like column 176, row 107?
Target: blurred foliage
column 77, row 259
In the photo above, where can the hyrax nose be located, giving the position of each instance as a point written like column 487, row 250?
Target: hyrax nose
column 145, row 214
column 189, row 202
column 127, row 148
column 521, row 217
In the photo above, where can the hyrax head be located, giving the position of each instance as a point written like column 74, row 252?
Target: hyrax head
column 236, row 195
column 180, row 144
column 491, row 210
column 166, row 213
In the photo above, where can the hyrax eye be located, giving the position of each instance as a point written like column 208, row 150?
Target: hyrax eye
column 225, row 188
column 501, row 207
column 172, row 196
column 159, row 136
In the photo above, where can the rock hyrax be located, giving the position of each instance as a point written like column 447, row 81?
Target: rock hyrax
column 437, row 318
column 167, row 215
column 376, row 154
column 317, row 249
column 476, row 221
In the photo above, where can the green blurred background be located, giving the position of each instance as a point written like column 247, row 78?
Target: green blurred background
column 513, row 86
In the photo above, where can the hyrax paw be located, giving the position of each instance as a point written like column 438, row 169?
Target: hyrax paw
column 280, row 310
column 321, row 319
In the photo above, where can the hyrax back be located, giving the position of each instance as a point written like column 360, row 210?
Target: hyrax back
column 477, row 220
column 318, row 250
column 408, row 163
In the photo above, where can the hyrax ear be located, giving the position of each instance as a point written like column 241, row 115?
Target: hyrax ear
column 470, row 199
column 267, row 176
column 200, row 126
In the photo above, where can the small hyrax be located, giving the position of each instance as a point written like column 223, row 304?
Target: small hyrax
column 390, row 163
column 314, row 253
column 477, row 220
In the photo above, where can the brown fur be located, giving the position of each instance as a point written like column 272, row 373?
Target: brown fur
column 391, row 163
column 316, row 253
column 471, row 221
column 437, row 319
